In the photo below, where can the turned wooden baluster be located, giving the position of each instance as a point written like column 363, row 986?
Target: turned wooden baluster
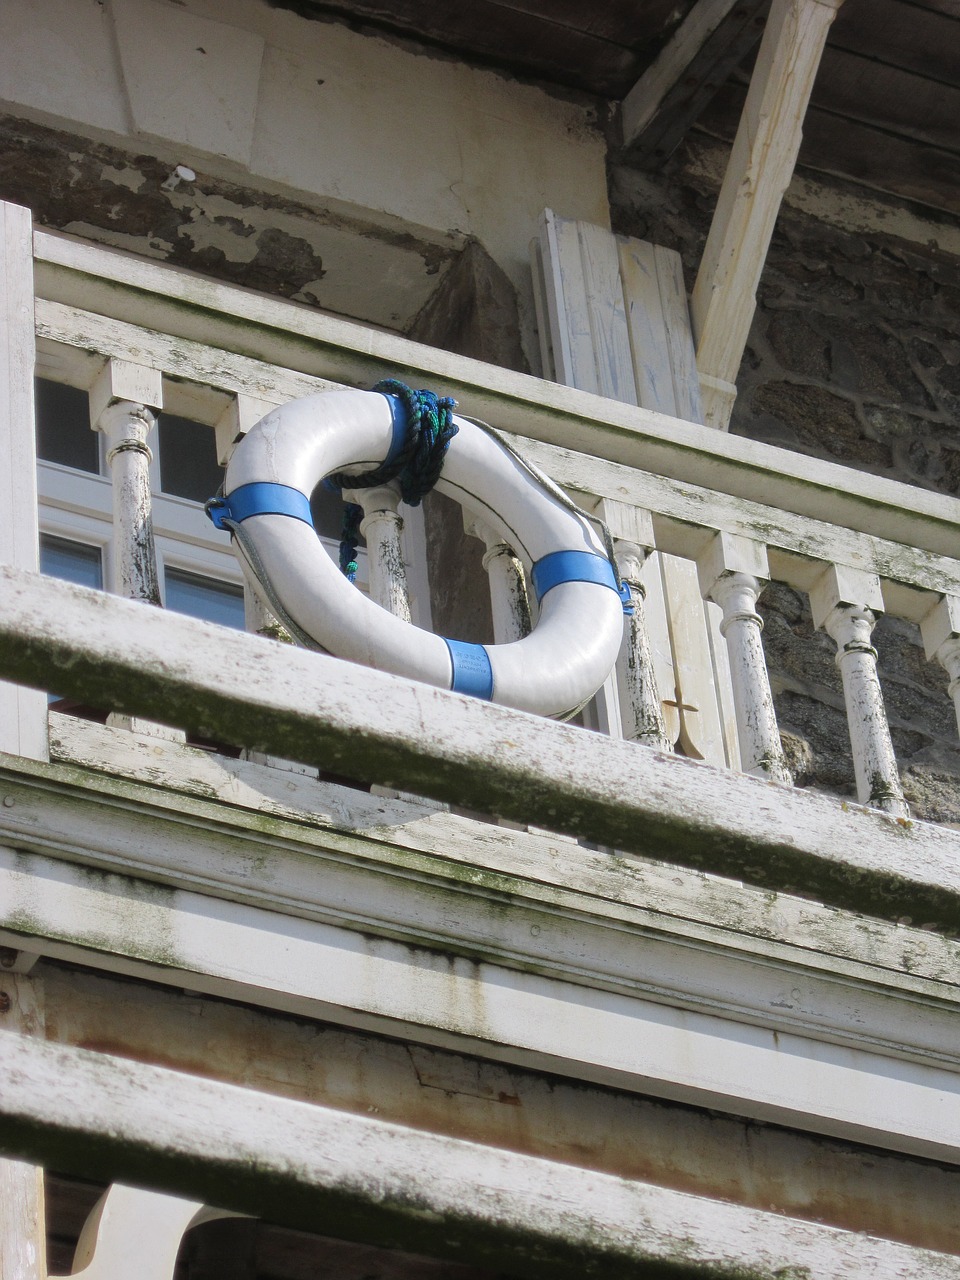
column 509, row 603
column 845, row 603
column 123, row 404
column 382, row 527
column 733, row 571
column 123, row 401
column 22, row 1227
column 940, row 630
column 641, row 707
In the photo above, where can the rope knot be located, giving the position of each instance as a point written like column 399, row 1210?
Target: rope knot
column 417, row 465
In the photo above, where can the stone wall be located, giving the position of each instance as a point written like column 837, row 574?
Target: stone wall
column 854, row 356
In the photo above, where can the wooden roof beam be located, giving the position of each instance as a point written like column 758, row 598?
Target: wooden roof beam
column 694, row 64
column 760, row 167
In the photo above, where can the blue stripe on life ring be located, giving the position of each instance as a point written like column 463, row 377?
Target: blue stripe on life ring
column 260, row 499
column 572, row 566
column 472, row 672
column 398, row 415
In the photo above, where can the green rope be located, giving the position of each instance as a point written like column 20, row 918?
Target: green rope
column 430, row 428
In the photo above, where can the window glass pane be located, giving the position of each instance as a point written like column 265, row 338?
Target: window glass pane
column 63, row 427
column 188, row 458
column 74, row 561
column 205, row 598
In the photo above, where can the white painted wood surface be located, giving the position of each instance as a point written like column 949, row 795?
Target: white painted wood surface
column 844, row 603
column 608, row 1033
column 440, row 744
column 758, row 171
column 299, row 1163
column 509, row 603
column 332, row 820
column 131, row 1232
column 23, row 712
column 23, row 1228
column 940, row 629
column 622, row 306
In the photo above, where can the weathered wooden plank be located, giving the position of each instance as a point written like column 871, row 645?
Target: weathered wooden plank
column 874, row 157
column 649, row 340
column 697, row 60
column 761, row 164
column 569, row 304
column 608, row 321
column 890, row 1079
column 22, row 711
column 23, row 1232
column 564, row 44
column 682, row 353
column 901, row 102
column 704, row 734
column 684, row 514
column 916, row 37
column 317, row 709
column 424, row 837
column 357, row 1176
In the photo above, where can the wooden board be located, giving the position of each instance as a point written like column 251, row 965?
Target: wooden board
column 360, row 1176
column 871, row 154
column 902, row 34
column 891, row 98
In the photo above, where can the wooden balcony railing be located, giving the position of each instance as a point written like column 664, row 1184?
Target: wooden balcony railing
column 135, row 332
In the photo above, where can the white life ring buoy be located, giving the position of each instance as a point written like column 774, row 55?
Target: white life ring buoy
column 278, row 464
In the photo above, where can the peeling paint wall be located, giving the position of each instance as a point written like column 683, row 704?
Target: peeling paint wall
column 338, row 169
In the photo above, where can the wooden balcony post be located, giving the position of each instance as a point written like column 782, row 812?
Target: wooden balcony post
column 641, row 706
column 940, row 630
column 845, row 603
column 733, row 572
column 22, row 1220
column 122, row 404
column 760, row 167
column 509, row 603
column 382, row 526
column 23, row 712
